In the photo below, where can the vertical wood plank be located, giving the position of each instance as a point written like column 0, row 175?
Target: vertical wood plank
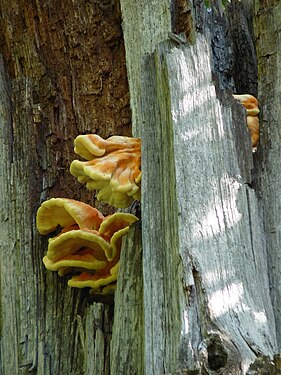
column 267, row 160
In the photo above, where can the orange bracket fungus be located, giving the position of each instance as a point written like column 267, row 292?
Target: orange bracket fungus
column 88, row 245
column 112, row 167
column 250, row 103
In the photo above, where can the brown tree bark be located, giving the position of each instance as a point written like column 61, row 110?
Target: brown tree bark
column 267, row 165
column 62, row 74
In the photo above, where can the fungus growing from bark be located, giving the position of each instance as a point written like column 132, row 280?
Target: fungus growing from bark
column 112, row 167
column 68, row 212
column 102, row 282
column 88, row 244
column 250, row 103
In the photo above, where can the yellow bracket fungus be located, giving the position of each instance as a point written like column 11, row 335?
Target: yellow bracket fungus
column 112, row 167
column 68, row 212
column 88, row 244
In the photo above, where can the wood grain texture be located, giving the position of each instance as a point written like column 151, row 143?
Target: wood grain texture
column 145, row 23
column 202, row 231
column 203, row 239
column 161, row 261
column 95, row 337
column 218, row 212
column 62, row 73
column 127, row 345
column 268, row 180
column 198, row 271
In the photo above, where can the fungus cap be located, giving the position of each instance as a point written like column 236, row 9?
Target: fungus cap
column 84, row 259
column 66, row 212
column 96, row 282
column 249, row 102
column 73, row 241
column 91, row 145
column 92, row 253
column 253, row 125
column 112, row 167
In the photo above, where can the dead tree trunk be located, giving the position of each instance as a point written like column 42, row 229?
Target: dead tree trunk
column 207, row 295
column 198, row 289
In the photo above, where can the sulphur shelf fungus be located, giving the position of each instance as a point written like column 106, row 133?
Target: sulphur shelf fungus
column 88, row 244
column 113, row 167
column 250, row 103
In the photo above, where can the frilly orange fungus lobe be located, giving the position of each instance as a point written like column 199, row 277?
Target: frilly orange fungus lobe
column 250, row 104
column 112, row 166
column 88, row 244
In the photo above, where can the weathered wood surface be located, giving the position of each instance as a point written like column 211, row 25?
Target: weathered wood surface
column 197, row 298
column 206, row 288
column 161, row 258
column 127, row 345
column 268, row 166
column 219, row 222
column 145, row 23
column 59, row 76
column 202, row 231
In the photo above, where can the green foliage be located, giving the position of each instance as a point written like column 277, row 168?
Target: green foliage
column 208, row 3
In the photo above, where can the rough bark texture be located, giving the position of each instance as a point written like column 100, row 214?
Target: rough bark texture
column 268, row 181
column 205, row 309
column 62, row 73
column 127, row 349
column 198, row 288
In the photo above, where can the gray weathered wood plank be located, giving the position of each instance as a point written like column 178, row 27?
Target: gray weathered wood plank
column 127, row 346
column 199, row 210
column 267, row 163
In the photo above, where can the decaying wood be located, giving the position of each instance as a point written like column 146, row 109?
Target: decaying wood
column 62, row 73
column 196, row 148
column 95, row 337
column 198, row 288
column 145, row 23
column 218, row 213
column 210, row 237
column 161, row 259
column 268, row 181
column 127, row 346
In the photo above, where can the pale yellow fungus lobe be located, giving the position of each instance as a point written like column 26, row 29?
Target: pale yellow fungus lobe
column 250, row 103
column 68, row 212
column 112, row 167
column 88, row 244
column 102, row 278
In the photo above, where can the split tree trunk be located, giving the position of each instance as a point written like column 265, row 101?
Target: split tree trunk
column 207, row 295
column 199, row 287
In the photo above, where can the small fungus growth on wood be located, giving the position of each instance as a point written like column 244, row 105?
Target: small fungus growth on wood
column 250, row 103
